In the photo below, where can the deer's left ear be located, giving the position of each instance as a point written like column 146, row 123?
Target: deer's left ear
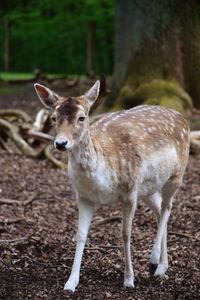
column 46, row 96
column 93, row 93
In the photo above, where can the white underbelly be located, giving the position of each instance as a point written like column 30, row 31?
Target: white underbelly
column 157, row 170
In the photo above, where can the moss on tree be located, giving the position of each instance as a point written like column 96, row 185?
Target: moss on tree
column 160, row 92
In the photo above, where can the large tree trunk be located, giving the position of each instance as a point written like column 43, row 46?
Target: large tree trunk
column 157, row 54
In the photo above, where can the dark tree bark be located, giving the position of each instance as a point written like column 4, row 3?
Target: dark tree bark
column 157, row 53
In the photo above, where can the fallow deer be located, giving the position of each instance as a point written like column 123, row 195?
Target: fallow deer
column 140, row 153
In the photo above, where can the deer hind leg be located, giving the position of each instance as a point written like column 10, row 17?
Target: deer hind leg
column 154, row 203
column 128, row 211
column 159, row 252
column 86, row 211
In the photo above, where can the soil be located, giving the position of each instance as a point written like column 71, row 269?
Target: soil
column 36, row 252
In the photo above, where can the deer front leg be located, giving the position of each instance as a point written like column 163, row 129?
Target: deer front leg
column 128, row 211
column 86, row 211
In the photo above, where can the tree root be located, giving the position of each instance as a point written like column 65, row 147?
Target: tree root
column 195, row 142
column 22, row 145
column 52, row 159
column 19, row 114
column 44, row 137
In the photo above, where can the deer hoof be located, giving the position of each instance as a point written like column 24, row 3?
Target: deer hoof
column 129, row 282
column 152, row 268
column 161, row 270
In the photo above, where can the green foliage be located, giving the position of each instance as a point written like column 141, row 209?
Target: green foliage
column 52, row 35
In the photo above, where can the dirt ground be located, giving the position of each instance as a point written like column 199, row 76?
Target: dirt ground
column 36, row 261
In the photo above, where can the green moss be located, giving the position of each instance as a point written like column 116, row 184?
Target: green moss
column 170, row 102
column 167, row 93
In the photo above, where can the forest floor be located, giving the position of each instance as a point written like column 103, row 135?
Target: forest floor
column 37, row 260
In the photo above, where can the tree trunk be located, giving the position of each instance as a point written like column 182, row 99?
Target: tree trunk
column 157, row 55
column 6, row 44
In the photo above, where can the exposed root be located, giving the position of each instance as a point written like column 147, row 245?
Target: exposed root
column 43, row 137
column 195, row 142
column 21, row 144
column 51, row 158
column 19, row 114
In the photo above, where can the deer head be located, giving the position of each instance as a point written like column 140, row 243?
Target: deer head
column 70, row 114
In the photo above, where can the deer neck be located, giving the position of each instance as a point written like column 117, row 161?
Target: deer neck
column 84, row 156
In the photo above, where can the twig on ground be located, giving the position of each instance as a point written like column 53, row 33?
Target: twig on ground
column 13, row 240
column 9, row 201
column 17, row 241
column 180, row 234
column 26, row 202
column 11, row 221
column 109, row 220
column 102, row 247
column 30, row 199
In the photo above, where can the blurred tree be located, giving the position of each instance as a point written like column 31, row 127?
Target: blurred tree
column 6, row 43
column 157, row 53
column 53, row 35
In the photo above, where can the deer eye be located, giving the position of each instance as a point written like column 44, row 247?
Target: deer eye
column 53, row 118
column 81, row 119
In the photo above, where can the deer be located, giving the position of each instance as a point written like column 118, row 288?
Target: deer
column 126, row 156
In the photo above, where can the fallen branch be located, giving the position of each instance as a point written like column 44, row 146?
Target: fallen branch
column 102, row 247
column 109, row 220
column 196, row 197
column 21, row 144
column 11, row 221
column 31, row 199
column 25, row 203
column 16, row 113
column 39, row 136
column 13, row 240
column 9, row 201
column 17, row 241
column 195, row 141
column 180, row 234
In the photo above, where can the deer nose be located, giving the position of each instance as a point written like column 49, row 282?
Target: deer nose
column 61, row 145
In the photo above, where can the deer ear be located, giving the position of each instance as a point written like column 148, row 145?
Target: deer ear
column 46, row 96
column 93, row 93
